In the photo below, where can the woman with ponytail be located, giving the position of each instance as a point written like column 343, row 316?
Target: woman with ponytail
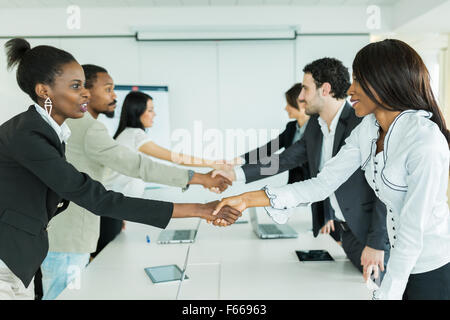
column 37, row 183
column 402, row 144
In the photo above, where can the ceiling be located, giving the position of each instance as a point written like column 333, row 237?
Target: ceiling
column 186, row 3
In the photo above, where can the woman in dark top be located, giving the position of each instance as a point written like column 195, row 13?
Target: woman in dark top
column 293, row 132
column 36, row 182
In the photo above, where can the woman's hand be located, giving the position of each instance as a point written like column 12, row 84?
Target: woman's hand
column 221, row 165
column 244, row 201
column 226, row 215
column 236, row 202
column 227, row 165
column 372, row 260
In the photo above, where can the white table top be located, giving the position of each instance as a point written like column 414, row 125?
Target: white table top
column 224, row 262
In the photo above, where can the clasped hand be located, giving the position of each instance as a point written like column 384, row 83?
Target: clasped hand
column 236, row 204
column 222, row 217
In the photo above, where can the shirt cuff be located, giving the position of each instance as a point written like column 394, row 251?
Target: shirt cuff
column 277, row 215
column 376, row 295
column 240, row 175
column 278, row 212
column 282, row 197
column 391, row 289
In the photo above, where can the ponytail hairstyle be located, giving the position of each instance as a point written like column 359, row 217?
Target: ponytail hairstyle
column 38, row 65
column 292, row 95
column 134, row 105
column 399, row 78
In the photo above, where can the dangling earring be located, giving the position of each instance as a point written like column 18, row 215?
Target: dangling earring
column 48, row 104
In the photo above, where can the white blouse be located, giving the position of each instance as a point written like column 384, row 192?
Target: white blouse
column 410, row 176
column 132, row 138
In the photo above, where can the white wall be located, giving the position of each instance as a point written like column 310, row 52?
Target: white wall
column 224, row 85
column 230, row 84
column 333, row 18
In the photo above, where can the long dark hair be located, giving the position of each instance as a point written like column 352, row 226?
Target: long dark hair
column 134, row 105
column 38, row 65
column 292, row 95
column 399, row 77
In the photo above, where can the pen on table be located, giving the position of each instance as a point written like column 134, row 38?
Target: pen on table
column 147, row 238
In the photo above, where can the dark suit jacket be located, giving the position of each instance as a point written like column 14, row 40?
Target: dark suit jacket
column 284, row 140
column 364, row 213
column 37, row 183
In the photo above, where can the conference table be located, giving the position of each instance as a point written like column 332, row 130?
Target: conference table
column 225, row 263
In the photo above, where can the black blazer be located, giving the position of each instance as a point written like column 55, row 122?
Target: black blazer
column 284, row 140
column 37, row 183
column 364, row 213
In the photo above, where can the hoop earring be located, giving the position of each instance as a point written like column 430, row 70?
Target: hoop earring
column 48, row 106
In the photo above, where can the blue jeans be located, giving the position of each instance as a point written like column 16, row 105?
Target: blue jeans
column 59, row 269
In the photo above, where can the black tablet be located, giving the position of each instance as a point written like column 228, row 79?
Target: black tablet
column 164, row 273
column 314, row 255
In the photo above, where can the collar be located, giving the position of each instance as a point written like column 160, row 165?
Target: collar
column 334, row 122
column 413, row 112
column 297, row 126
column 62, row 131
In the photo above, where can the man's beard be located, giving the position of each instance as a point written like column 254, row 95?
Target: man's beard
column 109, row 114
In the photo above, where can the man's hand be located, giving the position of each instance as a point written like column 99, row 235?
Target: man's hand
column 328, row 227
column 229, row 174
column 372, row 260
column 217, row 184
column 225, row 217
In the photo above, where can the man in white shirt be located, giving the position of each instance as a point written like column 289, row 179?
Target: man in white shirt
column 360, row 217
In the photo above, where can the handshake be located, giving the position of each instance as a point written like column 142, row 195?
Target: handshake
column 218, row 179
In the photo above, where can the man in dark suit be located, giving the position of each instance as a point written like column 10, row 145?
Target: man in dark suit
column 361, row 217
column 292, row 133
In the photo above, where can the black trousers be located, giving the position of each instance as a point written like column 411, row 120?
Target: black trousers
column 353, row 248
column 38, row 292
column 109, row 229
column 432, row 285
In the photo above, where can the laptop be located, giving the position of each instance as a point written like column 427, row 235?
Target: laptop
column 184, row 272
column 270, row 230
column 178, row 236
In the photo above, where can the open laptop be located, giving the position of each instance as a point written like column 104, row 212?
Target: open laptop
column 184, row 272
column 178, row 236
column 270, row 230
